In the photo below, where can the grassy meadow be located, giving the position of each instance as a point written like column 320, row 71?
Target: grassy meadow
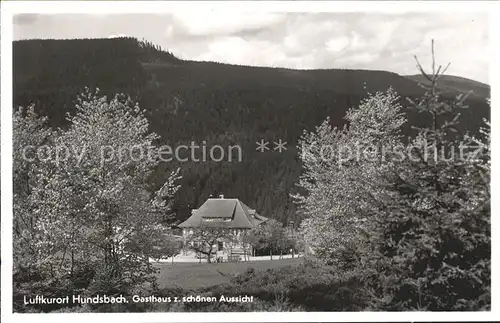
column 195, row 275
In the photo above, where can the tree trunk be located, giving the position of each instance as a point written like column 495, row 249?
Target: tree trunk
column 271, row 253
column 72, row 270
column 172, row 260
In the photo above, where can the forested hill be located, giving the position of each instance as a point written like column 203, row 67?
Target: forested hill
column 217, row 103
column 457, row 84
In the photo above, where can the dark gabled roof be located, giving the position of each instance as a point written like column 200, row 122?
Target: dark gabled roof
column 218, row 208
column 223, row 212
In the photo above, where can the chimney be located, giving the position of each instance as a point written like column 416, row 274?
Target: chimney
column 221, row 196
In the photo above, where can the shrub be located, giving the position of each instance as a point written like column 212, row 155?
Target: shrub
column 310, row 287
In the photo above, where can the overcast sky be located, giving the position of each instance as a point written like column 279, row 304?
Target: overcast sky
column 294, row 40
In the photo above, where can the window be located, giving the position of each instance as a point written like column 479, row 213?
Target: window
column 220, row 245
column 217, row 219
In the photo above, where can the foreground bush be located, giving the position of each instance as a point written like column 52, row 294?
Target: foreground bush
column 308, row 287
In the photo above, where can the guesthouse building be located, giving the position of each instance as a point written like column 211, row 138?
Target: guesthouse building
column 230, row 219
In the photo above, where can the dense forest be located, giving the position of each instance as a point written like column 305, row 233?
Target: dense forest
column 218, row 103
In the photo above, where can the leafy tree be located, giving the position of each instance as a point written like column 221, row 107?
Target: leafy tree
column 344, row 170
column 157, row 244
column 274, row 236
column 30, row 133
column 205, row 238
column 292, row 240
column 255, row 238
column 270, row 235
column 93, row 206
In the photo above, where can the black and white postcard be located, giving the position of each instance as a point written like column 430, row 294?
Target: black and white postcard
column 172, row 161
